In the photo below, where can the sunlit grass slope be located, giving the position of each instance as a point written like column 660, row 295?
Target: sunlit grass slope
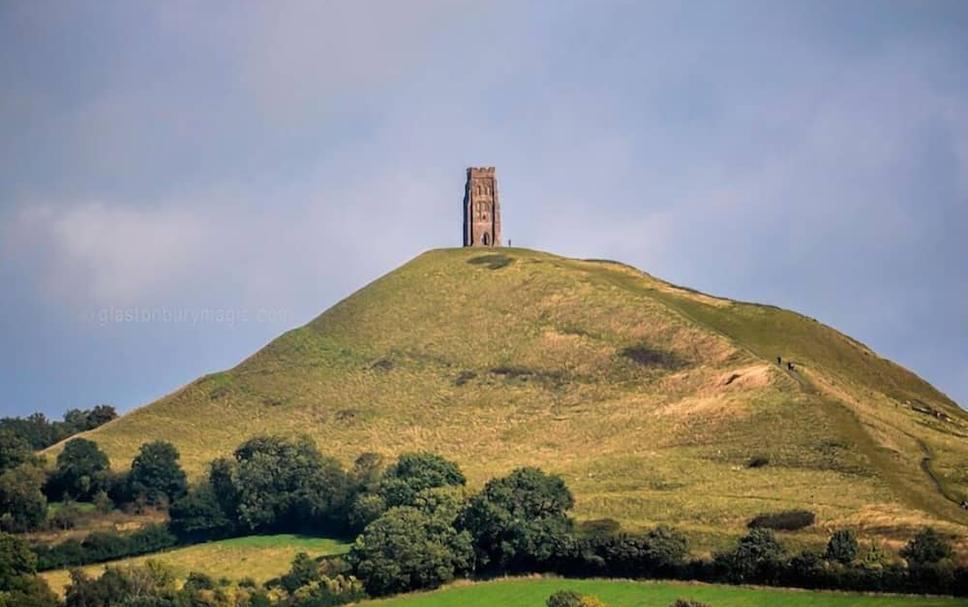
column 259, row 557
column 615, row 593
column 650, row 399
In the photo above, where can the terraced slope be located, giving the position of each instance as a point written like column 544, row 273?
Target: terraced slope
column 649, row 398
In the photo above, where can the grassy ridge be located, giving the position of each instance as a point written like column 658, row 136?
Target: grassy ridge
column 259, row 557
column 534, row 592
column 648, row 398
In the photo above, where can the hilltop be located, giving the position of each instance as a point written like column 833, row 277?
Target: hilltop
column 650, row 399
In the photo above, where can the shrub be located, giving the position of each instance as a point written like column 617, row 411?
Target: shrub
column 660, row 551
column 564, row 598
column 198, row 516
column 101, row 546
column 688, row 603
column 927, row 547
column 842, row 547
column 757, row 558
column 788, row 520
column 758, row 461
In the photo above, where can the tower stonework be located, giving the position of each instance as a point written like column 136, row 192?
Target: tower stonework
column 482, row 209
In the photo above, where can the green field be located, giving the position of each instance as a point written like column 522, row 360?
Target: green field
column 260, row 557
column 648, row 399
column 534, row 592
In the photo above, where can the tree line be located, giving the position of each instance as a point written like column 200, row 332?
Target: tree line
column 82, row 473
column 418, row 526
column 39, row 433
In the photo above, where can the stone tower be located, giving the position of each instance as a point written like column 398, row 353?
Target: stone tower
column 482, row 211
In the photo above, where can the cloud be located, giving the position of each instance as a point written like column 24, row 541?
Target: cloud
column 100, row 251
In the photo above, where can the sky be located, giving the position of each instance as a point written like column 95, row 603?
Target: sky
column 180, row 182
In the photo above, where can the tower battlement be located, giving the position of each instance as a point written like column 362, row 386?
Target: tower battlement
column 482, row 209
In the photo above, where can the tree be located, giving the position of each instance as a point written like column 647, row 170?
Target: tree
column 927, row 547
column 35, row 429
column 660, row 550
column 406, row 549
column 14, row 450
column 842, row 547
column 29, row 591
column 155, row 473
column 22, row 501
column 199, row 516
column 82, row 469
column 16, row 560
column 414, row 472
column 755, row 559
column 286, row 484
column 520, row 521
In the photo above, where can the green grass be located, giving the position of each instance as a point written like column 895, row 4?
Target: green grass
column 534, row 592
column 260, row 557
column 82, row 507
column 526, row 358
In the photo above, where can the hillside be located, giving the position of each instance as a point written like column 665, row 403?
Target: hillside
column 650, row 399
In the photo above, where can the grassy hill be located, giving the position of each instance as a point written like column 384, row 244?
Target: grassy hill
column 649, row 398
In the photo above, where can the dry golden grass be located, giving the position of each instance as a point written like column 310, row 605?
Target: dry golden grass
column 259, row 557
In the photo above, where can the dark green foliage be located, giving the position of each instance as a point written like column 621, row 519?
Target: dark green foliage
column 564, row 598
column 19, row 586
column 757, row 558
column 788, row 520
column 14, row 450
column 39, row 433
column 82, row 470
column 659, row 552
column 414, row 472
column 101, row 546
column 366, row 508
column 23, row 506
column 287, row 484
column 156, row 475
column 842, row 547
column 406, row 549
column 198, row 516
column 519, row 522
column 688, row 603
column 223, row 486
column 927, row 547
column 28, row 591
column 16, row 560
